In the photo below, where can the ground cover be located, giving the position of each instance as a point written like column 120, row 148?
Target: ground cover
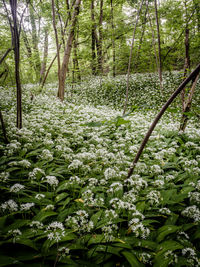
column 65, row 197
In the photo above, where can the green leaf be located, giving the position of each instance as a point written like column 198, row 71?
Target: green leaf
column 5, row 261
column 63, row 186
column 60, row 197
column 131, row 258
column 26, row 242
column 43, row 215
column 166, row 230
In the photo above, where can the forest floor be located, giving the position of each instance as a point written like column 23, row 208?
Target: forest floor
column 65, row 197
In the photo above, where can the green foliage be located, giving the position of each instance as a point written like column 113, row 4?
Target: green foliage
column 65, row 199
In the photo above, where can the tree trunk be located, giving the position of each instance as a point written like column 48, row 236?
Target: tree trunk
column 36, row 54
column 100, row 59
column 57, row 43
column 75, row 60
column 142, row 36
column 130, row 57
column 153, row 40
column 3, row 128
column 186, row 65
column 113, row 38
column 5, row 55
column 159, row 46
column 67, row 52
column 16, row 41
column 44, row 63
column 187, row 106
column 93, row 39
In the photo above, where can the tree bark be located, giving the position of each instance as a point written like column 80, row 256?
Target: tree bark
column 44, row 63
column 3, row 128
column 36, row 54
column 67, row 52
column 153, row 41
column 57, row 43
column 100, row 43
column 113, row 39
column 159, row 46
column 93, row 39
column 5, row 55
column 142, row 36
column 187, row 106
column 16, row 41
column 130, row 57
column 191, row 77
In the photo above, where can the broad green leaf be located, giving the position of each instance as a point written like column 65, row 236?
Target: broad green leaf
column 43, row 215
column 6, row 260
column 131, row 258
column 60, row 197
column 166, row 230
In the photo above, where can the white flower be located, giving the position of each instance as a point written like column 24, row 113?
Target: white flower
column 16, row 188
column 109, row 173
column 154, row 197
column 49, row 207
column 194, row 196
column 36, row 224
column 165, row 211
column 4, row 176
column 52, row 180
column 36, row 172
column 27, row 206
column 39, row 196
column 15, row 234
column 192, row 212
column 11, row 205
column 25, row 163
column 75, row 164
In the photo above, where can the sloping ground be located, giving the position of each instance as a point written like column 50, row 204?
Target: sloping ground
column 65, row 199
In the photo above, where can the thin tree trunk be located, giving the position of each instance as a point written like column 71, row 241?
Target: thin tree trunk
column 44, row 63
column 5, row 55
column 100, row 59
column 187, row 63
column 57, row 43
column 16, row 41
column 93, row 39
column 67, row 52
column 53, row 60
column 159, row 45
column 187, row 106
column 142, row 35
column 153, row 41
column 191, row 77
column 113, row 39
column 3, row 128
column 130, row 57
column 75, row 60
column 36, row 54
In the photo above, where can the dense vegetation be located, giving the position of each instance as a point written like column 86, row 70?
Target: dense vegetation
column 66, row 199
column 80, row 84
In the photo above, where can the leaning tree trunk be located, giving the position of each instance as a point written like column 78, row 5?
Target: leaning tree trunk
column 67, row 52
column 192, row 77
column 16, row 41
